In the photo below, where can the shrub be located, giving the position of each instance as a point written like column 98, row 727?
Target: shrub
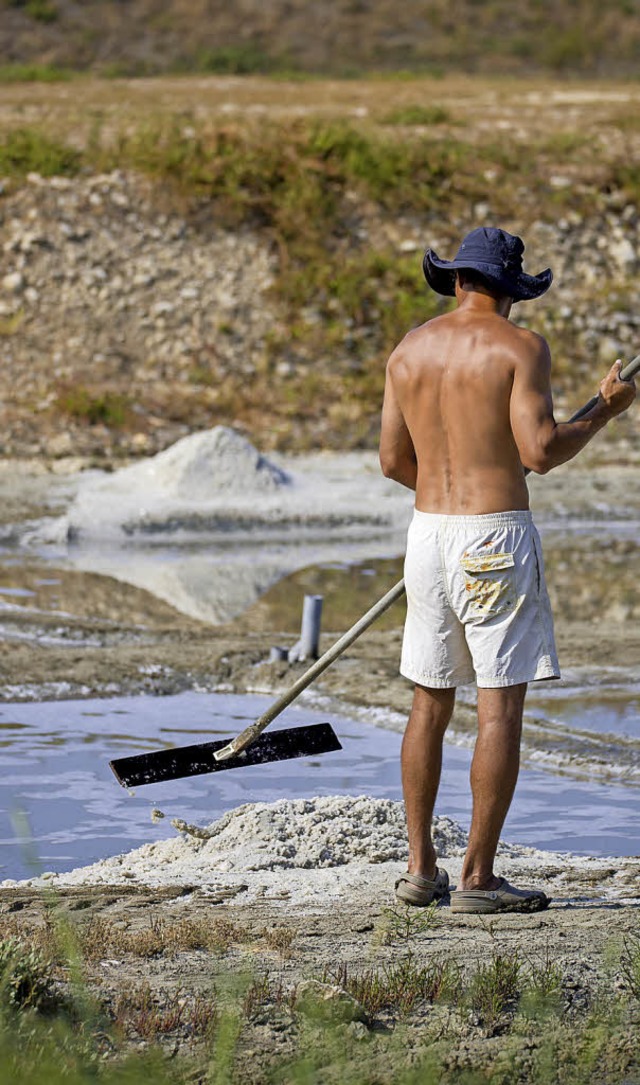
column 109, row 408
column 34, row 73
column 26, row 979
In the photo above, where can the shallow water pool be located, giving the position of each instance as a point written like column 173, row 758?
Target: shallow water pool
column 55, row 778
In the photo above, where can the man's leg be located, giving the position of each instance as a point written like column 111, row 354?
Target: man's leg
column 494, row 772
column 421, row 762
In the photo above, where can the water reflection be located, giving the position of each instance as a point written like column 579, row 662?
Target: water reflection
column 57, row 773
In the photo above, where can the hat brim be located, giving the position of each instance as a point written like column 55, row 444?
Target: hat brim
column 441, row 276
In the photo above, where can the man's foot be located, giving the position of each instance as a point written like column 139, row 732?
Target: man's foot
column 414, row 889
column 504, row 898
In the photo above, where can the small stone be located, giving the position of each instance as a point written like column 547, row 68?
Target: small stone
column 60, row 445
column 140, row 442
column 156, row 815
column 13, row 283
column 623, row 255
column 327, row 1002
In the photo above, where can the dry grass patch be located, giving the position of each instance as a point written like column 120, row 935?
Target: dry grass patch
column 154, row 1015
column 280, row 939
column 103, row 938
column 399, row 987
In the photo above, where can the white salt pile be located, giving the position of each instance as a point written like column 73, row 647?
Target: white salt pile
column 312, row 851
column 197, row 469
column 220, row 460
column 313, row 833
column 217, row 481
column 300, row 836
column 145, row 524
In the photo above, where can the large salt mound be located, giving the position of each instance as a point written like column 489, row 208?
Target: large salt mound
column 319, row 832
column 316, row 852
column 300, row 835
column 218, row 461
column 172, row 490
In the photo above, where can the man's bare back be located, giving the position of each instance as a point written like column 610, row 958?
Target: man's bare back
column 468, row 406
column 453, row 379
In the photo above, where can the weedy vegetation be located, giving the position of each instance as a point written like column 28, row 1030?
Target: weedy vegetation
column 412, row 115
column 35, row 73
column 400, row 987
column 56, row 1029
column 404, row 925
column 27, row 981
column 108, row 408
column 630, row 965
column 495, row 988
column 102, row 938
column 280, row 939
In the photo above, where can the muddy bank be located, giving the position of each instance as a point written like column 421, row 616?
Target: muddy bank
column 148, row 952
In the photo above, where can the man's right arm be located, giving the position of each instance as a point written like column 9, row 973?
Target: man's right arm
column 542, row 442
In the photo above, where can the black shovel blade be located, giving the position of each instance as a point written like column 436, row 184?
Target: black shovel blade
column 151, row 768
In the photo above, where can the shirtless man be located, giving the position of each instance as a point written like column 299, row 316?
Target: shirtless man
column 467, row 407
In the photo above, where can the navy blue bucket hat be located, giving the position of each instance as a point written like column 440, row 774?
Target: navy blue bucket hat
column 497, row 256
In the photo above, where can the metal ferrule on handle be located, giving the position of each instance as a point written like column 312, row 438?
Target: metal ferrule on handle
column 250, row 734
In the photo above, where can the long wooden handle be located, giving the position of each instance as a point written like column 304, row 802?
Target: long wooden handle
column 251, row 733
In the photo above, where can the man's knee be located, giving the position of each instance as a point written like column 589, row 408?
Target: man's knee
column 433, row 707
column 502, row 708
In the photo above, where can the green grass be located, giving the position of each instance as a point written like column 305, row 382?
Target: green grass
column 412, row 115
column 28, row 150
column 495, row 988
column 26, row 978
column 108, row 408
column 35, row 73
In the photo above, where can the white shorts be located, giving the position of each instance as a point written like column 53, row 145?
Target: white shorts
column 477, row 604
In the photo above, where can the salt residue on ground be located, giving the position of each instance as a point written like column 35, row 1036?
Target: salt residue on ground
column 312, row 851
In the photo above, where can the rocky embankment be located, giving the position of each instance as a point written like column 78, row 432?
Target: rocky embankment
column 120, row 321
column 127, row 322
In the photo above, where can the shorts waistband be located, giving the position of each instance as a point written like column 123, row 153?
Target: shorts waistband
column 511, row 518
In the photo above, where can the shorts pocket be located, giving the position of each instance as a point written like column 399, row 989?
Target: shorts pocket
column 490, row 584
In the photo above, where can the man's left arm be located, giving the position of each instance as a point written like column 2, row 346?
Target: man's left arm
column 397, row 454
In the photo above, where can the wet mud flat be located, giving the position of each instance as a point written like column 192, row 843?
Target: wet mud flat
column 72, row 632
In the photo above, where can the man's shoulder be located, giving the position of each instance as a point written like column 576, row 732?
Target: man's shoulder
column 528, row 338
column 417, row 336
column 529, row 346
column 412, row 341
